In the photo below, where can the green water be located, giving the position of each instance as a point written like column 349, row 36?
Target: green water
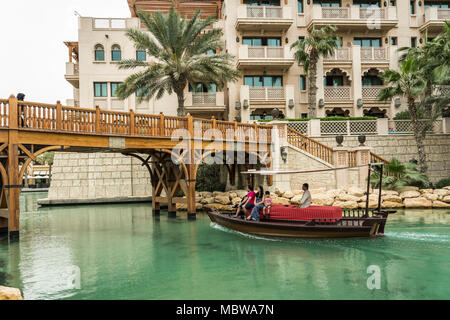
column 123, row 252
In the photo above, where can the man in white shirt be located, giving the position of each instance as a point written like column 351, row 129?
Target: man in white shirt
column 306, row 199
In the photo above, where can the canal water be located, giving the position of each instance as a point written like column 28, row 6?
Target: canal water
column 122, row 251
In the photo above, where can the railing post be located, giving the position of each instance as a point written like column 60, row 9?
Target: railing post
column 161, row 125
column 190, row 125
column 97, row 119
column 235, row 130
column 58, row 116
column 255, row 127
column 13, row 113
column 213, row 122
column 132, row 123
column 348, row 127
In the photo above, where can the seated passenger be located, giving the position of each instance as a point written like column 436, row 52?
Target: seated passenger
column 306, row 199
column 248, row 204
column 254, row 215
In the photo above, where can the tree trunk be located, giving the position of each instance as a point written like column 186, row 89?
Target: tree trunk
column 312, row 92
column 180, row 95
column 418, row 134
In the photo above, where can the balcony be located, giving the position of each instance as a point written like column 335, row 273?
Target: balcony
column 270, row 57
column 73, row 74
column 371, row 93
column 266, row 94
column 434, row 19
column 341, row 55
column 338, row 94
column 374, row 54
column 204, row 101
column 255, row 18
column 353, row 18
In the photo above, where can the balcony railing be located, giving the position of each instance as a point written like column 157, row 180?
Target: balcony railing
column 336, row 13
column 374, row 54
column 110, row 23
column 267, row 93
column 204, row 98
column 371, row 93
column 265, row 52
column 342, row 93
column 340, row 54
column 372, row 13
column 360, row 15
column 443, row 14
column 264, row 12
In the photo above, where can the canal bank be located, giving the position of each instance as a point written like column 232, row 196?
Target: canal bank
column 123, row 251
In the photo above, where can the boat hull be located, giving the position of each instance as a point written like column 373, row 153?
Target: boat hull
column 297, row 229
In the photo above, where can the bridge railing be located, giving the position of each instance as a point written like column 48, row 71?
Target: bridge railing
column 48, row 117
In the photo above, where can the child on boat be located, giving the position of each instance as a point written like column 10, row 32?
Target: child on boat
column 267, row 204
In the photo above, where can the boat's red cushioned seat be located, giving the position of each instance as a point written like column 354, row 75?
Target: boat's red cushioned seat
column 292, row 212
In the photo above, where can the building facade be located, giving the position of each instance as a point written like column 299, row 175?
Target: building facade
column 259, row 34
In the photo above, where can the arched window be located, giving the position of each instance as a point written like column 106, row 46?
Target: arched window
column 99, row 53
column 116, row 53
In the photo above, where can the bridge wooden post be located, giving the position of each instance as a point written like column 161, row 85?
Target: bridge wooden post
column 14, row 185
column 191, row 168
column 97, row 119
column 58, row 116
column 161, row 125
column 132, row 123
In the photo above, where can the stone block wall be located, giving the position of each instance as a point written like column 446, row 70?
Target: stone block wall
column 403, row 147
column 97, row 175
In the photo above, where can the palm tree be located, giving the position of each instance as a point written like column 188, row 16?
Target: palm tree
column 320, row 42
column 408, row 82
column 397, row 174
column 178, row 49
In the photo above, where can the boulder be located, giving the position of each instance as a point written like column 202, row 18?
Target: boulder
column 241, row 193
column 220, row 207
column 346, row 204
column 441, row 193
column 8, row 293
column 232, row 195
column 440, row 204
column 372, row 204
column 322, row 199
column 205, row 194
column 447, row 188
column 280, row 200
column 430, row 196
column 181, row 206
column 198, row 206
column 392, row 204
column 334, row 192
column 297, row 192
column 354, row 191
column 296, row 199
column 222, row 199
column 318, row 190
column 422, row 191
column 279, row 192
column 218, row 193
column 346, row 197
column 406, row 188
column 207, row 200
column 391, row 198
column 235, row 200
column 420, row 202
column 288, row 194
column 446, row 198
column 410, row 194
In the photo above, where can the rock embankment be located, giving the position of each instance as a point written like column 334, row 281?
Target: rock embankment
column 351, row 198
column 8, row 293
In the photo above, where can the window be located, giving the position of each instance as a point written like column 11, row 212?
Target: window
column 302, row 83
column 210, row 52
column 263, row 81
column 301, row 38
column 367, row 42
column 116, row 53
column 114, row 86
column 100, row 89
column 366, row 3
column 99, row 53
column 200, row 87
column 258, row 42
column 304, row 115
column 437, row 4
column 338, row 42
column 141, row 55
column 334, row 81
column 392, row 3
column 393, row 41
column 370, row 80
column 262, row 2
column 140, row 92
column 412, row 7
column 299, row 6
column 328, row 3
column 413, row 42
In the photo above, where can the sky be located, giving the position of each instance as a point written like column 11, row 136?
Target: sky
column 33, row 55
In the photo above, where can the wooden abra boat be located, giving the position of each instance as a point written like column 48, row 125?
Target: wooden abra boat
column 313, row 222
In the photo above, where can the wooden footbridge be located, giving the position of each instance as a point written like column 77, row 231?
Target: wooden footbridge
column 29, row 129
